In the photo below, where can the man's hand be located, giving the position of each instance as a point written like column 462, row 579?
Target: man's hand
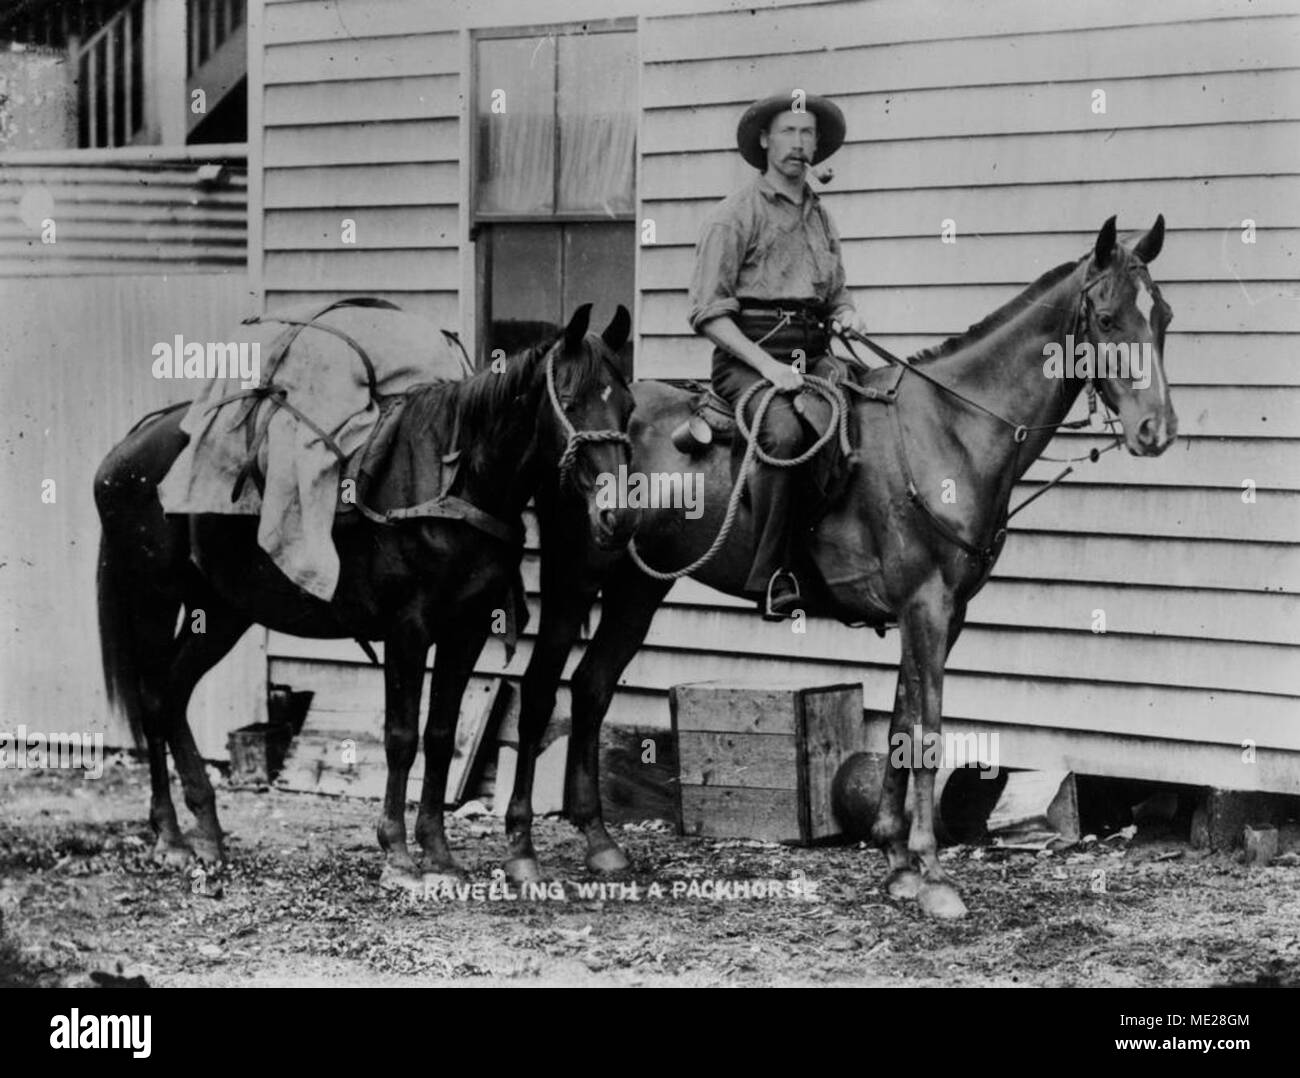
column 850, row 320
column 783, row 376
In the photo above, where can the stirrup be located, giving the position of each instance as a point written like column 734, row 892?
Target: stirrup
column 788, row 602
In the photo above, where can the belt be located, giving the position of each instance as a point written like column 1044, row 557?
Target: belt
column 781, row 327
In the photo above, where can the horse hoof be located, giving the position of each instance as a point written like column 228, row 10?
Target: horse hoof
column 436, row 879
column 904, row 884
column 393, row 878
column 607, row 860
column 522, row 870
column 941, row 900
column 209, row 851
column 172, row 854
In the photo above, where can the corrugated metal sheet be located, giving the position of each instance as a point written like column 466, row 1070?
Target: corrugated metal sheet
column 75, row 366
column 122, row 212
column 982, row 115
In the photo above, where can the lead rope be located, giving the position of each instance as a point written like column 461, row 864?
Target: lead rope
column 839, row 425
column 577, row 438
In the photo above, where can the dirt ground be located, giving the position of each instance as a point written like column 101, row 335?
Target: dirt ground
column 299, row 904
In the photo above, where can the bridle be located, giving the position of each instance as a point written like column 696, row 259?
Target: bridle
column 577, row 439
column 1161, row 315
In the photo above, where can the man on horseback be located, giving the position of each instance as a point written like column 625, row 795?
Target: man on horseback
column 768, row 280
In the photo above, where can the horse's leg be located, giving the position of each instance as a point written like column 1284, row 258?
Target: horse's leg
column 170, row 846
column 405, row 653
column 196, row 654
column 889, row 831
column 629, row 602
column 563, row 609
column 453, row 664
column 929, row 626
column 137, row 627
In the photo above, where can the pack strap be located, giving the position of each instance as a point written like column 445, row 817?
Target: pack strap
column 446, row 507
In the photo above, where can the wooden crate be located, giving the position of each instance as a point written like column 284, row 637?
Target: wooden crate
column 757, row 761
column 257, row 753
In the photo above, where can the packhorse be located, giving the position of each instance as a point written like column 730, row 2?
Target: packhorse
column 554, row 414
column 977, row 410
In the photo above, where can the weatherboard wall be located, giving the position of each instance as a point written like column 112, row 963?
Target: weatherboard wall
column 982, row 114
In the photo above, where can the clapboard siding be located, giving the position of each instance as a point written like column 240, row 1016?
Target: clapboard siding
column 1203, row 359
column 346, row 21
column 440, row 308
column 1261, row 307
column 353, row 185
column 1189, row 152
column 1144, row 52
column 891, row 115
column 407, row 56
column 428, row 227
column 1212, row 202
column 413, row 271
column 374, row 142
column 813, row 27
column 362, row 122
column 1009, row 260
column 418, row 98
column 1077, row 699
column 982, row 116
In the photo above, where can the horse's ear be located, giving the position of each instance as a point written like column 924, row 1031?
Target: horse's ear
column 1148, row 247
column 615, row 335
column 577, row 328
column 1105, row 243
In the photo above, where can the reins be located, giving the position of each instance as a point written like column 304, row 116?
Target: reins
column 834, row 394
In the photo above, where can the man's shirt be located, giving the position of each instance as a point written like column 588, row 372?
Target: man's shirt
column 759, row 245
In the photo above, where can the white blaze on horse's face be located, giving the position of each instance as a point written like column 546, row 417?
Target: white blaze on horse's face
column 1143, row 402
column 1145, row 302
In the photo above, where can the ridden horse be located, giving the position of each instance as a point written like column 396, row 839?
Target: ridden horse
column 889, row 550
column 559, row 408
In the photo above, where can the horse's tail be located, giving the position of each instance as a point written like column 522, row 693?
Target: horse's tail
column 118, row 651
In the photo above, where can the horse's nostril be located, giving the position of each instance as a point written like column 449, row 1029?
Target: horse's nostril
column 608, row 519
column 1147, row 431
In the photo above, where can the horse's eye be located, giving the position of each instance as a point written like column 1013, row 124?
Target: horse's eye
column 1105, row 320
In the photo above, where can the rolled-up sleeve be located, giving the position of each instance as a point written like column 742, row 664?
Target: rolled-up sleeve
column 718, row 258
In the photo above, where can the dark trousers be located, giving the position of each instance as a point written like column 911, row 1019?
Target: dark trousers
column 773, row 491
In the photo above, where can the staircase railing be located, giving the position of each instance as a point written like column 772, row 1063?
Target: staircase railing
column 110, row 79
column 211, row 23
column 113, row 66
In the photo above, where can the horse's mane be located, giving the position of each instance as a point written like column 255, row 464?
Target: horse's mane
column 1000, row 317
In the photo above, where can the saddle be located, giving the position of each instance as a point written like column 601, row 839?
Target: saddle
column 712, row 421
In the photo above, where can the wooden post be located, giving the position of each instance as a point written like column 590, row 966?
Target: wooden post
column 166, row 49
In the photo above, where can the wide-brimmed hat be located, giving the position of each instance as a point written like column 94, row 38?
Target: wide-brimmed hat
column 830, row 126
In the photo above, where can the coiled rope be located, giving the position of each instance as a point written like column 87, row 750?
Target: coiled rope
column 839, row 425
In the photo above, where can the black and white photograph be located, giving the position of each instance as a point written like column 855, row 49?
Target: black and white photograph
column 651, row 494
